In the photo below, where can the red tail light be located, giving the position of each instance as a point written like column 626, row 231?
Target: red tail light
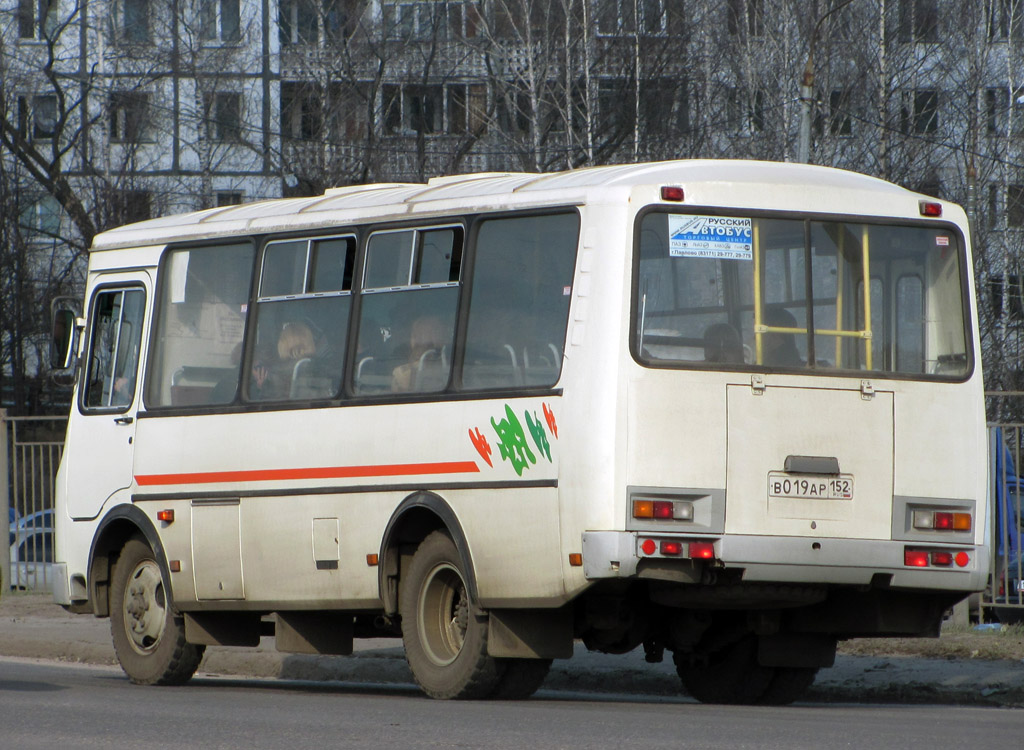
column 915, row 558
column 702, row 551
column 673, row 549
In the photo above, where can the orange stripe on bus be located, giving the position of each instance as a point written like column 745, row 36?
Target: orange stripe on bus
column 317, row 472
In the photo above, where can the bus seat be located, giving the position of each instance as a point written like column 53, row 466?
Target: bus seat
column 193, row 386
column 491, row 366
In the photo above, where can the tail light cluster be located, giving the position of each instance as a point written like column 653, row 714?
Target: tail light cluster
column 663, row 510
column 941, row 520
column 675, row 548
column 935, row 558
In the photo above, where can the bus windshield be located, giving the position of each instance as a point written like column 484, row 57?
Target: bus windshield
column 739, row 292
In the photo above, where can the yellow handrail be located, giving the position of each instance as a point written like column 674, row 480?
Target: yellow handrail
column 867, row 297
column 758, row 344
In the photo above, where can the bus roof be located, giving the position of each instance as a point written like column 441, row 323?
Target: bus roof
column 706, row 182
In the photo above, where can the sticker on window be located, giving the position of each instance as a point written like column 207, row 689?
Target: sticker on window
column 721, row 237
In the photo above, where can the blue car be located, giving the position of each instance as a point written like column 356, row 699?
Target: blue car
column 1008, row 588
column 14, row 518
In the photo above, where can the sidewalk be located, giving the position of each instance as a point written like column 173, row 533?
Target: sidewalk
column 32, row 627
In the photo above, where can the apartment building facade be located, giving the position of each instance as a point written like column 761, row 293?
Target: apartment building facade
column 151, row 107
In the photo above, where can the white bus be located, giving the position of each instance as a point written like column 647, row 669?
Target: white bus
column 725, row 408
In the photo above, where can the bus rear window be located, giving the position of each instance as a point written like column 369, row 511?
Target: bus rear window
column 739, row 292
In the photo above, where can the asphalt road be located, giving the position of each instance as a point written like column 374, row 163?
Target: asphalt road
column 45, row 705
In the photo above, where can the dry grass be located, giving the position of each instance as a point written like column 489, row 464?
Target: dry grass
column 956, row 642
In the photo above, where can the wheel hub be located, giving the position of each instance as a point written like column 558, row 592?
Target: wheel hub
column 145, row 607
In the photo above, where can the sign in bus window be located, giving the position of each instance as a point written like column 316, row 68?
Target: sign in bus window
column 799, row 294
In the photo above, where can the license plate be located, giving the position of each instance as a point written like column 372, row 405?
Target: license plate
column 810, row 486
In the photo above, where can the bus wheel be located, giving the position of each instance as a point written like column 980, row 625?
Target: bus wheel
column 148, row 635
column 788, row 685
column 731, row 675
column 444, row 632
column 522, row 678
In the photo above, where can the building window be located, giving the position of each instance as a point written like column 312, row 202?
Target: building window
column 1002, row 16
column 300, row 111
column 37, row 19
column 1015, row 206
column 513, row 111
column 839, row 120
column 919, row 21
column 665, row 106
column 224, row 117
column 304, row 22
column 37, row 117
column 1008, row 286
column 1004, row 111
column 920, row 112
column 424, row 20
column 616, row 17
column 467, row 109
column 42, row 218
column 129, row 117
column 409, row 110
column 127, row 206
column 135, row 21
column 745, row 17
column 219, row 20
column 745, row 113
column 615, row 105
column 229, row 198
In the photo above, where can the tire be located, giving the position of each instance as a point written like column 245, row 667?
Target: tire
column 522, row 678
column 148, row 635
column 444, row 632
column 788, row 685
column 732, row 675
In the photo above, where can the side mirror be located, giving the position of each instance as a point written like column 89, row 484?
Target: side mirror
column 65, row 332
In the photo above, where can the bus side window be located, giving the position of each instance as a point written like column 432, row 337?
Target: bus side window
column 114, row 350
column 409, row 301
column 522, row 282
column 204, row 294
column 302, row 318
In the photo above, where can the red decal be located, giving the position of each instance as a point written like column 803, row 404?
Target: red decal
column 481, row 445
column 549, row 417
column 316, row 472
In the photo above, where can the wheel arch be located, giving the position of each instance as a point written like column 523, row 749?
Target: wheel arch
column 414, row 518
column 118, row 526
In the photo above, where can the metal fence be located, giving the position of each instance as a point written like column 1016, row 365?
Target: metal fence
column 1004, row 597
column 31, row 447
column 30, row 451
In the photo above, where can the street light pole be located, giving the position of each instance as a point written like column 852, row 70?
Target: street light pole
column 807, row 90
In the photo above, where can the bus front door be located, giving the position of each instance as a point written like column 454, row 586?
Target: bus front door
column 108, row 394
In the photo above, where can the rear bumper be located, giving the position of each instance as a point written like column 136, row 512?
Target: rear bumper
column 615, row 554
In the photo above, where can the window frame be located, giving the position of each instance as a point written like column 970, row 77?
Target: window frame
column 85, row 387
column 468, row 222
column 801, row 216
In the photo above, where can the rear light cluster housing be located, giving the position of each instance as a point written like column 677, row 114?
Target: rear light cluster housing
column 681, row 549
column 916, row 557
column 663, row 510
column 942, row 520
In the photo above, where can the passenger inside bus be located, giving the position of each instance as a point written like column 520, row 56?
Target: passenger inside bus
column 273, row 379
column 779, row 348
column 425, row 369
column 722, row 344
